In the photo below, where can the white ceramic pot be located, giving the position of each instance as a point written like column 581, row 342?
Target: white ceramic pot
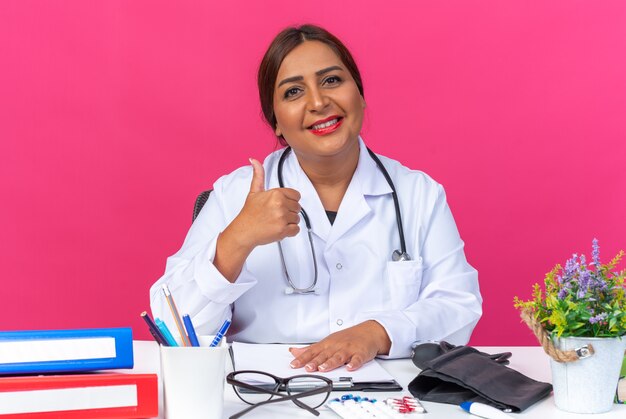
column 588, row 385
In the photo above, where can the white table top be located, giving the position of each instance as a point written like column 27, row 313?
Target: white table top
column 529, row 360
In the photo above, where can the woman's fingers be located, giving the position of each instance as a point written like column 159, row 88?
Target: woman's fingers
column 291, row 194
column 312, row 359
column 292, row 217
column 336, row 356
column 298, row 351
column 356, row 362
column 293, row 205
column 338, row 359
column 302, row 356
column 353, row 347
column 292, row 230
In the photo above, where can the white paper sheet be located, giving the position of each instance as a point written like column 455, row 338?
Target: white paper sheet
column 275, row 359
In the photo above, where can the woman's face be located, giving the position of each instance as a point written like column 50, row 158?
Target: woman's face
column 318, row 107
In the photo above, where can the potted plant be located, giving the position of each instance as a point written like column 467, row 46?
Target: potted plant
column 580, row 319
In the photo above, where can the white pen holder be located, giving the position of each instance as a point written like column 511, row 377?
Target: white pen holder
column 193, row 379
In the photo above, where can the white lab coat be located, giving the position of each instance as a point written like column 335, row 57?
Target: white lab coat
column 435, row 296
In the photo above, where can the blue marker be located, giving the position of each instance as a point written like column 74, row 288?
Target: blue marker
column 166, row 332
column 220, row 334
column 484, row 410
column 190, row 330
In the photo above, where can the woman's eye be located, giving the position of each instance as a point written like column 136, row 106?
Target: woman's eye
column 291, row 92
column 332, row 80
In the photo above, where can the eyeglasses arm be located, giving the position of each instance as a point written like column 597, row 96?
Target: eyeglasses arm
column 293, row 397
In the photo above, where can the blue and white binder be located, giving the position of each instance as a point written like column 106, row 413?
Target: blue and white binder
column 55, row 351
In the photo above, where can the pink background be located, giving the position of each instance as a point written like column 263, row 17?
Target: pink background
column 115, row 114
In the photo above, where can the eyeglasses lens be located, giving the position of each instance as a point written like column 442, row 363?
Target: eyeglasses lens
column 307, row 384
column 262, row 381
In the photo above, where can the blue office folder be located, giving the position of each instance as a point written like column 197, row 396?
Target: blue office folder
column 57, row 351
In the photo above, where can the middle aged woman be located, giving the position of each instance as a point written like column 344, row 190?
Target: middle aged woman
column 371, row 277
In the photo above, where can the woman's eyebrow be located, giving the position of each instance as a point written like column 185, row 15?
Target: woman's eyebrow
column 327, row 70
column 317, row 73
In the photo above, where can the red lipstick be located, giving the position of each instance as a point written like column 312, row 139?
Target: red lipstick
column 328, row 129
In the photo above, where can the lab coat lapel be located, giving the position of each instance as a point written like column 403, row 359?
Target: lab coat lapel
column 294, row 177
column 366, row 181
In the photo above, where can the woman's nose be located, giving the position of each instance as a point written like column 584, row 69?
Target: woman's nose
column 317, row 100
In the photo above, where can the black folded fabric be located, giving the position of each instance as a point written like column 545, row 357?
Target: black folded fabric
column 455, row 374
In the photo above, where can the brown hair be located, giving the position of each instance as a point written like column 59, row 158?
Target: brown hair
column 285, row 42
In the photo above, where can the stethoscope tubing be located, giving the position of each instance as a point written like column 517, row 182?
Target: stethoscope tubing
column 394, row 195
column 402, row 255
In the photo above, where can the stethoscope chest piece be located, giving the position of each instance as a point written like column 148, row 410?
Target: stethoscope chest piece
column 398, row 256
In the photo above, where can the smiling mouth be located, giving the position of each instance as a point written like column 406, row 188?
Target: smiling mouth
column 325, row 125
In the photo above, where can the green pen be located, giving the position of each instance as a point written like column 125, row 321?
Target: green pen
column 166, row 332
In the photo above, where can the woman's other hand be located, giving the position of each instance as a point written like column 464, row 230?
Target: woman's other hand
column 352, row 347
column 266, row 217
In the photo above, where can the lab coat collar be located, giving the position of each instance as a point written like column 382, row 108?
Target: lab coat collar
column 366, row 181
column 367, row 173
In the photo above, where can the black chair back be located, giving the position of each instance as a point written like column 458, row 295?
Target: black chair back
column 200, row 201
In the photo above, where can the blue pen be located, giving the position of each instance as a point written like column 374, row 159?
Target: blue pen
column 154, row 329
column 220, row 334
column 190, row 330
column 166, row 332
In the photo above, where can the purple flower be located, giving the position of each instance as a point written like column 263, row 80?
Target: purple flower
column 571, row 266
column 600, row 317
column 599, row 283
column 595, row 254
column 584, row 282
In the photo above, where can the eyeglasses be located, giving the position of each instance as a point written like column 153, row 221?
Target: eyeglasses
column 259, row 388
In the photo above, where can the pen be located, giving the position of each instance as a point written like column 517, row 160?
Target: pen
column 166, row 332
column 190, row 330
column 484, row 410
column 154, row 330
column 220, row 334
column 174, row 310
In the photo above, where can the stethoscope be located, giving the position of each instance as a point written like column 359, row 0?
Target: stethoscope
column 396, row 256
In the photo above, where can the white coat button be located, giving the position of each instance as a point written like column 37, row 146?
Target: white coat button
column 339, row 322
column 338, row 266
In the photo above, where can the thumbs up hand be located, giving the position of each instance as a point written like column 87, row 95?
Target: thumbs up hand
column 268, row 216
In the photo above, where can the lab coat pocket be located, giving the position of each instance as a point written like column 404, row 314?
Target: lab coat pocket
column 404, row 279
